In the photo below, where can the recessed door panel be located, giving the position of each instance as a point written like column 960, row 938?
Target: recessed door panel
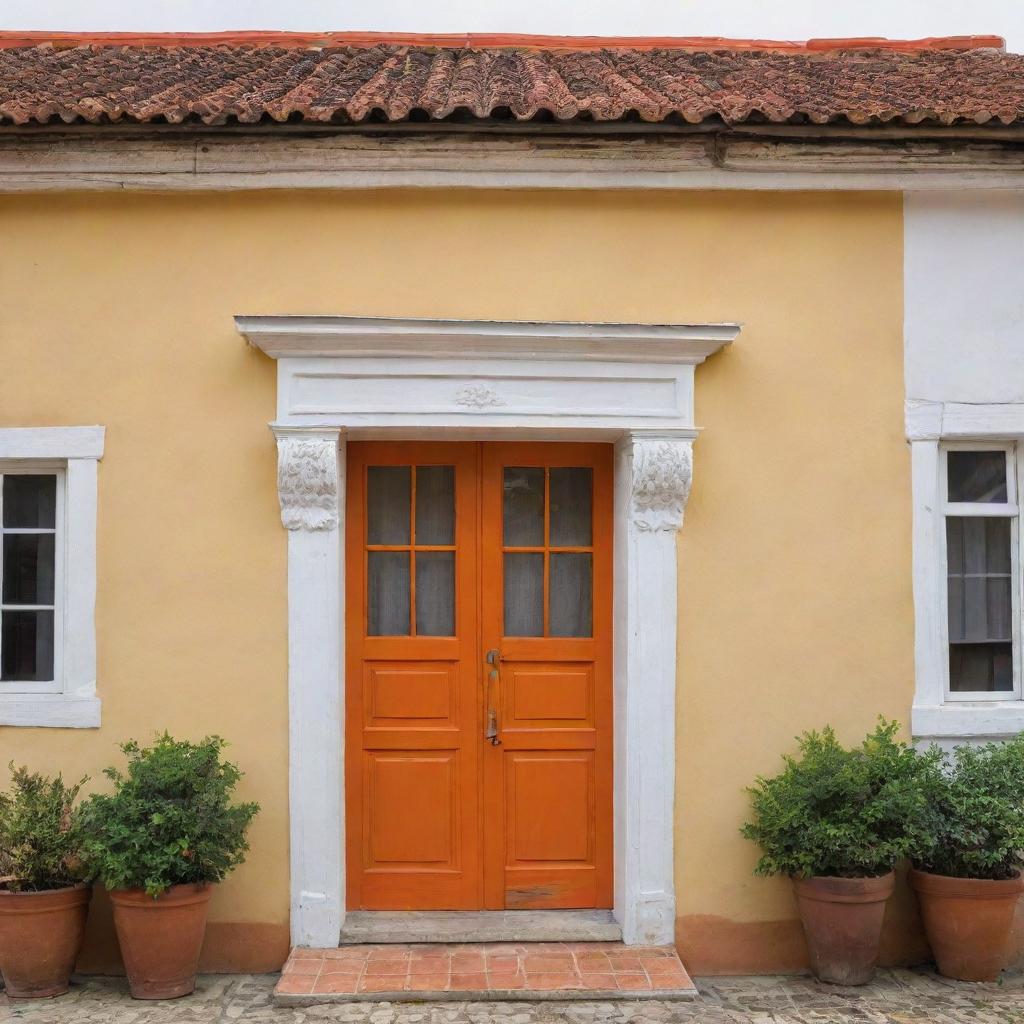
column 411, row 809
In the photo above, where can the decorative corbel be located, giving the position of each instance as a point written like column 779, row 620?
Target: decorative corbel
column 307, row 478
column 662, row 473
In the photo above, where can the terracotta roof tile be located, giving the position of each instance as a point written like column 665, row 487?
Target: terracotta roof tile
column 351, row 80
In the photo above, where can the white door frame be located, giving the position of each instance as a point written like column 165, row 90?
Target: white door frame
column 363, row 378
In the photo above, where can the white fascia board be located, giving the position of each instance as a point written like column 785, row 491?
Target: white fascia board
column 306, row 336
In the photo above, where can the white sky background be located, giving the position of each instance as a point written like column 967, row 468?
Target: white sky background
column 768, row 19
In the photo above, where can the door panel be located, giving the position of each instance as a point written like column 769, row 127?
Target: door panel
column 412, row 727
column 546, row 609
column 455, row 550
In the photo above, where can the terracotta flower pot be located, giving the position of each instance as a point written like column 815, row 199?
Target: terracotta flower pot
column 967, row 922
column 161, row 938
column 40, row 937
column 842, row 919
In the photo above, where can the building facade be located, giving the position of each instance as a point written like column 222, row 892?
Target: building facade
column 606, row 453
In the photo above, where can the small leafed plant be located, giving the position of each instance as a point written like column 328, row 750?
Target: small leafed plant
column 170, row 819
column 839, row 812
column 40, row 833
column 976, row 798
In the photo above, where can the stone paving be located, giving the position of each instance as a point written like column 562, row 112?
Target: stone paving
column 897, row 997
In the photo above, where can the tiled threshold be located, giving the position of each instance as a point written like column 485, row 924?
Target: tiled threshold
column 497, row 971
column 368, row 927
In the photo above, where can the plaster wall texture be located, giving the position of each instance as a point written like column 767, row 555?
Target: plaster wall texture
column 795, row 585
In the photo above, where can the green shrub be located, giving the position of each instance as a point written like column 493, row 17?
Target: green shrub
column 976, row 796
column 170, row 819
column 839, row 812
column 39, row 833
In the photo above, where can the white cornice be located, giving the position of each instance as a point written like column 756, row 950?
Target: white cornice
column 310, row 336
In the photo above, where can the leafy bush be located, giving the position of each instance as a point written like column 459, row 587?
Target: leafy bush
column 39, row 833
column 839, row 812
column 976, row 798
column 170, row 819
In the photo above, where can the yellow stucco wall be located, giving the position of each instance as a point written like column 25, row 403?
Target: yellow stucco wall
column 795, row 556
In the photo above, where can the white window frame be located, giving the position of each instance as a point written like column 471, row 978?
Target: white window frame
column 1005, row 510
column 69, row 700
column 933, row 428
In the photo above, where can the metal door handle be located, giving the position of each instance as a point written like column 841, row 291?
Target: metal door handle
column 493, row 675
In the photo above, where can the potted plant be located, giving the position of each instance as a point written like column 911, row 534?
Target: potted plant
column 159, row 842
column 837, row 821
column 967, row 866
column 43, row 901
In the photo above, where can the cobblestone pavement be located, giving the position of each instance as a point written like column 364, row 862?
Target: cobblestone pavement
column 897, row 997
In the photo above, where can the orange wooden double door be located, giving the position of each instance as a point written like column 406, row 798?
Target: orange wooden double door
column 478, row 676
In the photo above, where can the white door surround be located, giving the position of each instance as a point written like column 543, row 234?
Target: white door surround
column 347, row 377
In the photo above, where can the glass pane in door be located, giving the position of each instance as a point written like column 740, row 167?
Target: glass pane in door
column 388, row 504
column 388, row 593
column 571, row 594
column 435, row 593
column 524, row 593
column 524, row 507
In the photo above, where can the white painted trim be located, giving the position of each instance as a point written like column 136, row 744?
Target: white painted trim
column 76, row 450
column 51, row 442
column 402, row 338
column 311, row 484
column 449, row 393
column 432, row 159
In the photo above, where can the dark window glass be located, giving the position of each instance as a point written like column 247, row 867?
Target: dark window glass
column 26, row 646
column 30, row 502
column 979, row 588
column 435, row 593
column 435, row 505
column 524, row 507
column 571, row 598
column 524, row 593
column 28, row 568
column 388, row 504
column 571, row 502
column 388, row 598
column 977, row 476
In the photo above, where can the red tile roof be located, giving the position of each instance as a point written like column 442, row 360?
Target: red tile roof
column 278, row 77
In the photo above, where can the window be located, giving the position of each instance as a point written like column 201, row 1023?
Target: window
column 48, row 575
column 29, row 615
column 982, row 573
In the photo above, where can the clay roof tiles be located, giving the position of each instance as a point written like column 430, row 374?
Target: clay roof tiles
column 346, row 79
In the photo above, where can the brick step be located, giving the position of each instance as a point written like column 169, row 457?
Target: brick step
column 437, row 972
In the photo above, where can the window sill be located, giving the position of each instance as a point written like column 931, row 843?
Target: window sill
column 53, row 711
column 962, row 720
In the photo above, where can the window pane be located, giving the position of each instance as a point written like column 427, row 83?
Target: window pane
column 980, row 604
column 524, row 593
column 388, row 504
column 435, row 593
column 570, row 595
column 388, row 597
column 979, row 583
column 26, row 646
column 980, row 668
column 28, row 568
column 435, row 505
column 571, row 501
column 977, row 476
column 30, row 501
column 524, row 507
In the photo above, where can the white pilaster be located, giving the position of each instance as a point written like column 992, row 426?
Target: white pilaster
column 654, row 471
column 311, row 488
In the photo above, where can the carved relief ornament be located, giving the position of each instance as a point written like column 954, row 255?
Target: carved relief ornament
column 662, row 473
column 307, row 481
